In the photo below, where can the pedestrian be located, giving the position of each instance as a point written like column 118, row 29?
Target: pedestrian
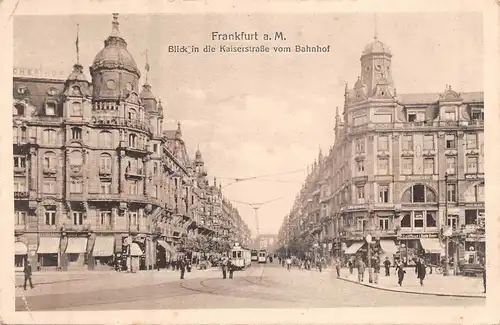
column 337, row 267
column 288, row 263
column 350, row 264
column 158, row 264
column 401, row 273
column 27, row 275
column 387, row 265
column 420, row 268
column 230, row 268
column 181, row 264
column 376, row 270
column 361, row 269
column 224, row 268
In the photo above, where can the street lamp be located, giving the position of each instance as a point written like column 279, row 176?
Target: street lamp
column 446, row 233
column 368, row 239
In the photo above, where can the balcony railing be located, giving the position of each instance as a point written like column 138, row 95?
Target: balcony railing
column 134, row 172
column 136, row 147
column 113, row 121
column 22, row 140
column 415, row 125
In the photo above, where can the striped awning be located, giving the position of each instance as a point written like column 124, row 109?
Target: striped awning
column 48, row 245
column 104, row 246
column 20, row 248
column 432, row 245
column 354, row 248
column 76, row 245
column 388, row 246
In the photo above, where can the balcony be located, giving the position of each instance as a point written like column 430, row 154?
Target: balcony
column 23, row 140
column 113, row 121
column 19, row 170
column 49, row 171
column 415, row 125
column 139, row 149
column 21, row 195
column 70, row 227
column 105, row 172
column 134, row 172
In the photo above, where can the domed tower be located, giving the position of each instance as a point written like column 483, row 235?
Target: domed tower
column 154, row 109
column 376, row 66
column 114, row 71
column 199, row 164
column 76, row 94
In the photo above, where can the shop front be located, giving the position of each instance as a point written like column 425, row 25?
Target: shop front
column 48, row 252
column 412, row 246
column 102, row 254
column 21, row 255
column 388, row 250
column 475, row 248
column 75, row 253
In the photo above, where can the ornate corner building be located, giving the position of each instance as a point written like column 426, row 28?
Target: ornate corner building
column 94, row 170
column 402, row 168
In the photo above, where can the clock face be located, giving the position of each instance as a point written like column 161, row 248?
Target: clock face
column 111, row 84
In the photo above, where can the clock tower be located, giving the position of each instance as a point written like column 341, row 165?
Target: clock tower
column 376, row 66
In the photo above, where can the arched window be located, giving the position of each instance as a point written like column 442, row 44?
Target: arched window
column 49, row 160
column 49, row 136
column 419, row 194
column 105, row 139
column 132, row 140
column 76, row 133
column 105, row 162
column 75, row 158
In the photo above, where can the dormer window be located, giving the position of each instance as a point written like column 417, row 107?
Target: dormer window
column 76, row 109
column 412, row 117
column 450, row 116
column 50, row 108
column 132, row 114
column 415, row 116
column 76, row 133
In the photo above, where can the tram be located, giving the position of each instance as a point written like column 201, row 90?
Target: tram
column 254, row 255
column 240, row 257
column 262, row 256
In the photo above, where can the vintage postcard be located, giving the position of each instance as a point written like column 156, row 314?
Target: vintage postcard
column 294, row 162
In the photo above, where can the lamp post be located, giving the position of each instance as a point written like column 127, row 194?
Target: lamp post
column 446, row 236
column 368, row 239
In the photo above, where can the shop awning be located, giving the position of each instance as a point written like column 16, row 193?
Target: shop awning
column 20, row 248
column 388, row 246
column 48, row 245
column 135, row 250
column 432, row 245
column 354, row 248
column 76, row 245
column 165, row 245
column 104, row 246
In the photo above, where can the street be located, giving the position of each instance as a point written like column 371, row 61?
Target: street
column 260, row 286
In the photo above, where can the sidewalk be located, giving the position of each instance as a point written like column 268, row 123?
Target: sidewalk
column 434, row 284
column 85, row 281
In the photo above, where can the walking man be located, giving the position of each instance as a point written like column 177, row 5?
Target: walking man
column 182, row 266
column 230, row 267
column 337, row 266
column 27, row 274
column 376, row 270
column 361, row 269
column 288, row 263
column 224, row 268
column 420, row 269
column 387, row 265
column 401, row 273
column 350, row 264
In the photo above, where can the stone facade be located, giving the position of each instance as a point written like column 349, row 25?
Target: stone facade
column 402, row 167
column 95, row 173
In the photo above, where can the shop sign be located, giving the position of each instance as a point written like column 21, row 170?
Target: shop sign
column 38, row 73
column 417, row 236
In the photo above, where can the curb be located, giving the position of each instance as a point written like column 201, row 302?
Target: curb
column 442, row 294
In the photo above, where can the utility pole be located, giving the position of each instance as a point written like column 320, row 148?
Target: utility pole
column 447, row 238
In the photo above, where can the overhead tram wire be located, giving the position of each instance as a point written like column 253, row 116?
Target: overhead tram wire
column 242, row 179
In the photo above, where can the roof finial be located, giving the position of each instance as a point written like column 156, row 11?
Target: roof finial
column 114, row 26
column 77, row 43
column 147, row 67
column 375, row 36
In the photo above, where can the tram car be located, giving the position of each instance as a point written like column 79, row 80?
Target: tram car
column 240, row 257
column 262, row 256
column 254, row 255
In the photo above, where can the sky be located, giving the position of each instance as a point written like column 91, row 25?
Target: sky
column 263, row 114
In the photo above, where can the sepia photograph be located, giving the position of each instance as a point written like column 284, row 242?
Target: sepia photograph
column 212, row 161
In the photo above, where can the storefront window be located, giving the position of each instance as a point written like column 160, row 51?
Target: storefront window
column 406, row 221
column 431, row 219
column 418, row 219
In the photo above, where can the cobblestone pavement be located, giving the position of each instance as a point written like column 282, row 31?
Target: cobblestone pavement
column 261, row 286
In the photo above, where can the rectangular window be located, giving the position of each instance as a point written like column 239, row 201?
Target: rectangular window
column 77, row 218
column 451, row 191
column 418, row 219
column 361, row 193
column 360, row 224
column 450, row 116
column 383, row 194
column 49, row 187
column 50, row 217
column 428, row 166
column 452, row 221
column 407, row 166
column 360, row 167
column 428, row 142
column 431, row 219
column 412, row 117
column 472, row 165
column 105, row 187
column 383, row 166
column 480, row 192
column 76, row 186
column 383, row 143
column 133, row 217
column 20, row 217
column 19, row 186
column 383, row 223
column 19, row 162
column 471, row 141
column 451, row 165
column 407, row 142
column 133, row 187
column 105, row 218
column 478, row 114
column 76, row 133
column 471, row 217
column 450, row 141
column 360, row 145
